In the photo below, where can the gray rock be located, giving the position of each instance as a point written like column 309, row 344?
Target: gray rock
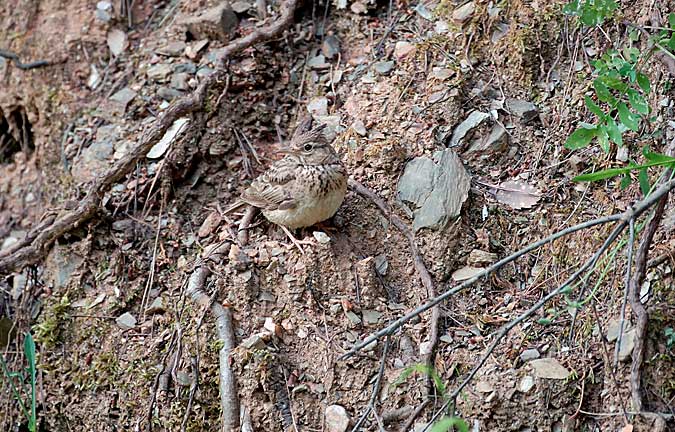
column 120, row 100
column 205, row 71
column 318, row 62
column 472, row 121
column 159, row 72
column 337, row 419
column 168, row 94
column 187, row 67
column 436, row 187
column 321, row 237
column 613, row 329
column 103, row 16
column 381, row 264
column 172, row 49
column 126, row 321
column 495, row 142
column 463, row 12
column 330, row 47
column 383, row 67
column 255, row 341
column 359, row 128
column 529, row 354
column 179, row 81
column 524, row 110
column 216, row 23
column 241, row 6
column 318, row 106
column 549, row 368
column 371, row 316
column 526, row 384
column 157, row 306
column 627, row 345
column 96, row 158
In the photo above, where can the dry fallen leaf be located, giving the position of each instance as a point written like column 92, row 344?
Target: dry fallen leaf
column 516, row 194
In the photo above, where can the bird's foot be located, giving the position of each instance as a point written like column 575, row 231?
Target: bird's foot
column 297, row 243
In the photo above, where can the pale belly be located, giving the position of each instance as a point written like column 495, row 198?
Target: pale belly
column 309, row 211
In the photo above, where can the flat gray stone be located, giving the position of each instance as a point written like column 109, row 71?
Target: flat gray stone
column 187, row 67
column 168, row 94
column 172, row 49
column 179, row 81
column 218, row 22
column 159, row 72
column 126, row 321
column 526, row 384
column 549, row 368
column 524, row 110
column 383, row 67
column 627, row 345
column 473, row 120
column 157, row 306
column 337, row 419
column 436, row 188
column 330, row 47
column 497, row 141
column 529, row 354
column 120, row 100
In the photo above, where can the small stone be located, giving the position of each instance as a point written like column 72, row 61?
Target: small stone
column 496, row 141
column 359, row 128
column 337, row 419
column 168, row 94
column 318, row 106
column 318, row 63
column 211, row 222
column 321, row 237
column 126, row 321
column 179, row 81
column 403, row 49
column 120, row 101
column 103, row 16
column 524, row 110
column 466, row 273
column 192, row 51
column 94, row 77
column 159, row 72
column 255, row 341
column 463, row 12
column 157, row 306
column 117, row 41
column 549, row 368
column 104, row 6
column 351, row 316
column 371, row 316
column 183, row 378
column 205, row 71
column 484, row 387
column 529, row 354
column 627, row 345
column 218, row 22
column 473, row 120
column 381, row 264
column 478, row 256
column 442, row 73
column 622, row 153
column 189, row 68
column 173, row 49
column 330, row 47
column 383, row 67
column 526, row 384
column 240, row 7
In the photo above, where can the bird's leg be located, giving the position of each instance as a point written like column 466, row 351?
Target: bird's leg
column 297, row 243
column 327, row 226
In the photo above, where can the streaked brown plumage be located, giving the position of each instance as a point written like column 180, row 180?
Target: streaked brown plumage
column 306, row 187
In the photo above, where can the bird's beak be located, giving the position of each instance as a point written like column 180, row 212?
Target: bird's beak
column 286, row 151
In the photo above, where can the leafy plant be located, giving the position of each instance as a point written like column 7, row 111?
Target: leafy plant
column 653, row 160
column 620, row 89
column 446, row 423
column 31, row 372
column 591, row 12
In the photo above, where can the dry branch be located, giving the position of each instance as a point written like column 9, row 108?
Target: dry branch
column 229, row 400
column 33, row 247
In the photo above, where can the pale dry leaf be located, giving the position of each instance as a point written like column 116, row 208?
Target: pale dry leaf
column 627, row 428
column 517, row 195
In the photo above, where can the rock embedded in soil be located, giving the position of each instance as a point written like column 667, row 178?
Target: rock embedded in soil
column 437, row 187
column 549, row 368
column 463, row 12
column 126, row 321
column 529, row 354
column 120, row 100
column 157, row 306
column 526, row 384
column 404, row 49
column 218, row 22
column 524, row 110
column 627, row 345
column 168, row 94
column 496, row 142
column 159, row 72
column 172, row 49
column 330, row 47
column 383, row 67
column 337, row 419
column 473, row 120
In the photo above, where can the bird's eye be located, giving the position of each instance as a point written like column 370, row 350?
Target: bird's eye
column 308, row 147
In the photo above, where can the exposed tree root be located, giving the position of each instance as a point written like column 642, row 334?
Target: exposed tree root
column 34, row 246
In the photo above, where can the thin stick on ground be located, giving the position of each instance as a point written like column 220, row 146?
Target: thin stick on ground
column 376, row 387
column 35, row 244
column 229, row 400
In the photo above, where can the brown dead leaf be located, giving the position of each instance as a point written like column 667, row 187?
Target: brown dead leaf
column 516, row 194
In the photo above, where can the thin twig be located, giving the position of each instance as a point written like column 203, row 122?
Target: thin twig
column 629, row 265
column 376, row 386
column 23, row 66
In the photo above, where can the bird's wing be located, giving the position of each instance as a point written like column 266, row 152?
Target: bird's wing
column 272, row 190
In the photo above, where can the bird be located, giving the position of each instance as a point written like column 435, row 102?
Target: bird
column 307, row 186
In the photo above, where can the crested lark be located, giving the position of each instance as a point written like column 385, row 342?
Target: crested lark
column 306, row 187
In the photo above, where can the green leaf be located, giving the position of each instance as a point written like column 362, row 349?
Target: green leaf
column 671, row 20
column 643, row 178
column 613, row 80
column 594, row 108
column 629, row 119
column 444, row 425
column 603, row 92
column 580, row 138
column 643, row 82
column 625, row 182
column 544, row 321
column 29, row 351
column 572, row 8
column 426, row 370
column 603, row 138
column 638, row 102
column 657, row 157
column 613, row 131
column 590, row 18
column 600, row 175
